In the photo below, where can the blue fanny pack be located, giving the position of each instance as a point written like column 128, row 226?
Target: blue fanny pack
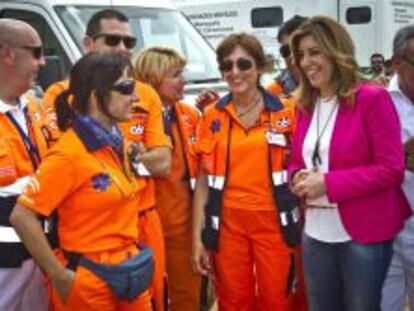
column 127, row 279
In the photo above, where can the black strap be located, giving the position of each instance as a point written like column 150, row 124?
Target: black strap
column 73, row 259
column 31, row 147
column 6, row 207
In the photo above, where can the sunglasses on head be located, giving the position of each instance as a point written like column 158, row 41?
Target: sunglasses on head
column 243, row 64
column 114, row 40
column 37, row 51
column 284, row 51
column 125, row 87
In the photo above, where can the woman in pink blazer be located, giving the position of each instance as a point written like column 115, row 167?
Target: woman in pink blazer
column 347, row 166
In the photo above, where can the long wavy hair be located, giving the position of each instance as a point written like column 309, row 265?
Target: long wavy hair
column 336, row 43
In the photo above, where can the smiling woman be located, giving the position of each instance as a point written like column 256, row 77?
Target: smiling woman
column 346, row 174
column 246, row 223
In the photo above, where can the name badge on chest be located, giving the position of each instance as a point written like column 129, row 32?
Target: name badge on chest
column 277, row 139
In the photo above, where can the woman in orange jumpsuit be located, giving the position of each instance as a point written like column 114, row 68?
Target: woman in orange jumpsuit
column 162, row 68
column 87, row 179
column 244, row 213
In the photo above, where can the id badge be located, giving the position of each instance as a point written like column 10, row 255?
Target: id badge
column 277, row 139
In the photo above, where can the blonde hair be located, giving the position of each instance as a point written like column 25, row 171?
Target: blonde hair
column 152, row 64
column 336, row 43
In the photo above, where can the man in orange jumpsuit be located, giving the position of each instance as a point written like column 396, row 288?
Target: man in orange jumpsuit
column 108, row 31
column 22, row 147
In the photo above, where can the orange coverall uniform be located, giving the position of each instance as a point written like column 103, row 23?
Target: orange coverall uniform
column 246, row 225
column 146, row 126
column 95, row 196
column 173, row 203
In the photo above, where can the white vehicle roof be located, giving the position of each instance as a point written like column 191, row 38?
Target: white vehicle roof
column 141, row 3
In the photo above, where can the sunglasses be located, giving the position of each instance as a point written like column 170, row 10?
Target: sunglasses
column 125, row 87
column 37, row 51
column 284, row 51
column 243, row 64
column 114, row 40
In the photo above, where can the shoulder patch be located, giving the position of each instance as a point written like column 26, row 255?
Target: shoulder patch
column 215, row 125
column 101, row 182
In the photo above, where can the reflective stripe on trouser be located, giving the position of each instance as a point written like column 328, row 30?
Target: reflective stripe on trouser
column 150, row 233
column 23, row 288
column 253, row 263
column 90, row 293
column 184, row 285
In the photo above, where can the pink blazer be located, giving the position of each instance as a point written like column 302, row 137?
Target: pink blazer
column 366, row 164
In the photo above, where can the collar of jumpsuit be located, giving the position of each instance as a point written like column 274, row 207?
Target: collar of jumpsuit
column 95, row 136
column 271, row 103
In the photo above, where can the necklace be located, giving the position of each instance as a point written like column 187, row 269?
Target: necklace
column 316, row 157
column 250, row 108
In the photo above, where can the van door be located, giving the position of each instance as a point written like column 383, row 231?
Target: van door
column 360, row 19
column 39, row 18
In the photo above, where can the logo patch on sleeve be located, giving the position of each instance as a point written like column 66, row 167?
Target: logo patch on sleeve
column 101, row 182
column 215, row 126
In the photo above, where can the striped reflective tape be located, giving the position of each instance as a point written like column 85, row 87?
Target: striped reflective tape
column 280, row 178
column 216, row 182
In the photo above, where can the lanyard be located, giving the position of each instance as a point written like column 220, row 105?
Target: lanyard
column 316, row 157
column 31, row 147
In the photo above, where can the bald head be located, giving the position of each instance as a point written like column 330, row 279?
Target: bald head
column 20, row 58
column 16, row 33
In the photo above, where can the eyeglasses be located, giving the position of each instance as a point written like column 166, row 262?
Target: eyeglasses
column 243, row 64
column 37, row 51
column 125, row 87
column 284, row 51
column 114, row 40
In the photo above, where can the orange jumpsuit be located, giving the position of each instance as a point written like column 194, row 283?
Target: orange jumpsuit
column 173, row 203
column 253, row 265
column 146, row 126
column 95, row 196
column 275, row 89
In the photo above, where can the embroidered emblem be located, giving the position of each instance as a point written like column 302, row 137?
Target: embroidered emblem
column 137, row 129
column 283, row 122
column 215, row 126
column 101, row 182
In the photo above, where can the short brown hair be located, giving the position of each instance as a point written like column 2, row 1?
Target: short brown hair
column 248, row 42
column 336, row 43
column 152, row 64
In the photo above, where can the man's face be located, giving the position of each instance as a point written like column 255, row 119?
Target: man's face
column 377, row 64
column 404, row 67
column 289, row 59
column 114, row 36
column 28, row 57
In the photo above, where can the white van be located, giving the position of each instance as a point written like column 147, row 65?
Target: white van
column 372, row 23
column 61, row 25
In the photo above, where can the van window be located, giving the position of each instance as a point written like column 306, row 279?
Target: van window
column 267, row 17
column 358, row 15
column 154, row 26
column 51, row 45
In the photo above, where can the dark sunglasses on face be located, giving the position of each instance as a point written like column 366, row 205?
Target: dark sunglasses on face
column 243, row 64
column 114, row 40
column 125, row 87
column 37, row 51
column 284, row 51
